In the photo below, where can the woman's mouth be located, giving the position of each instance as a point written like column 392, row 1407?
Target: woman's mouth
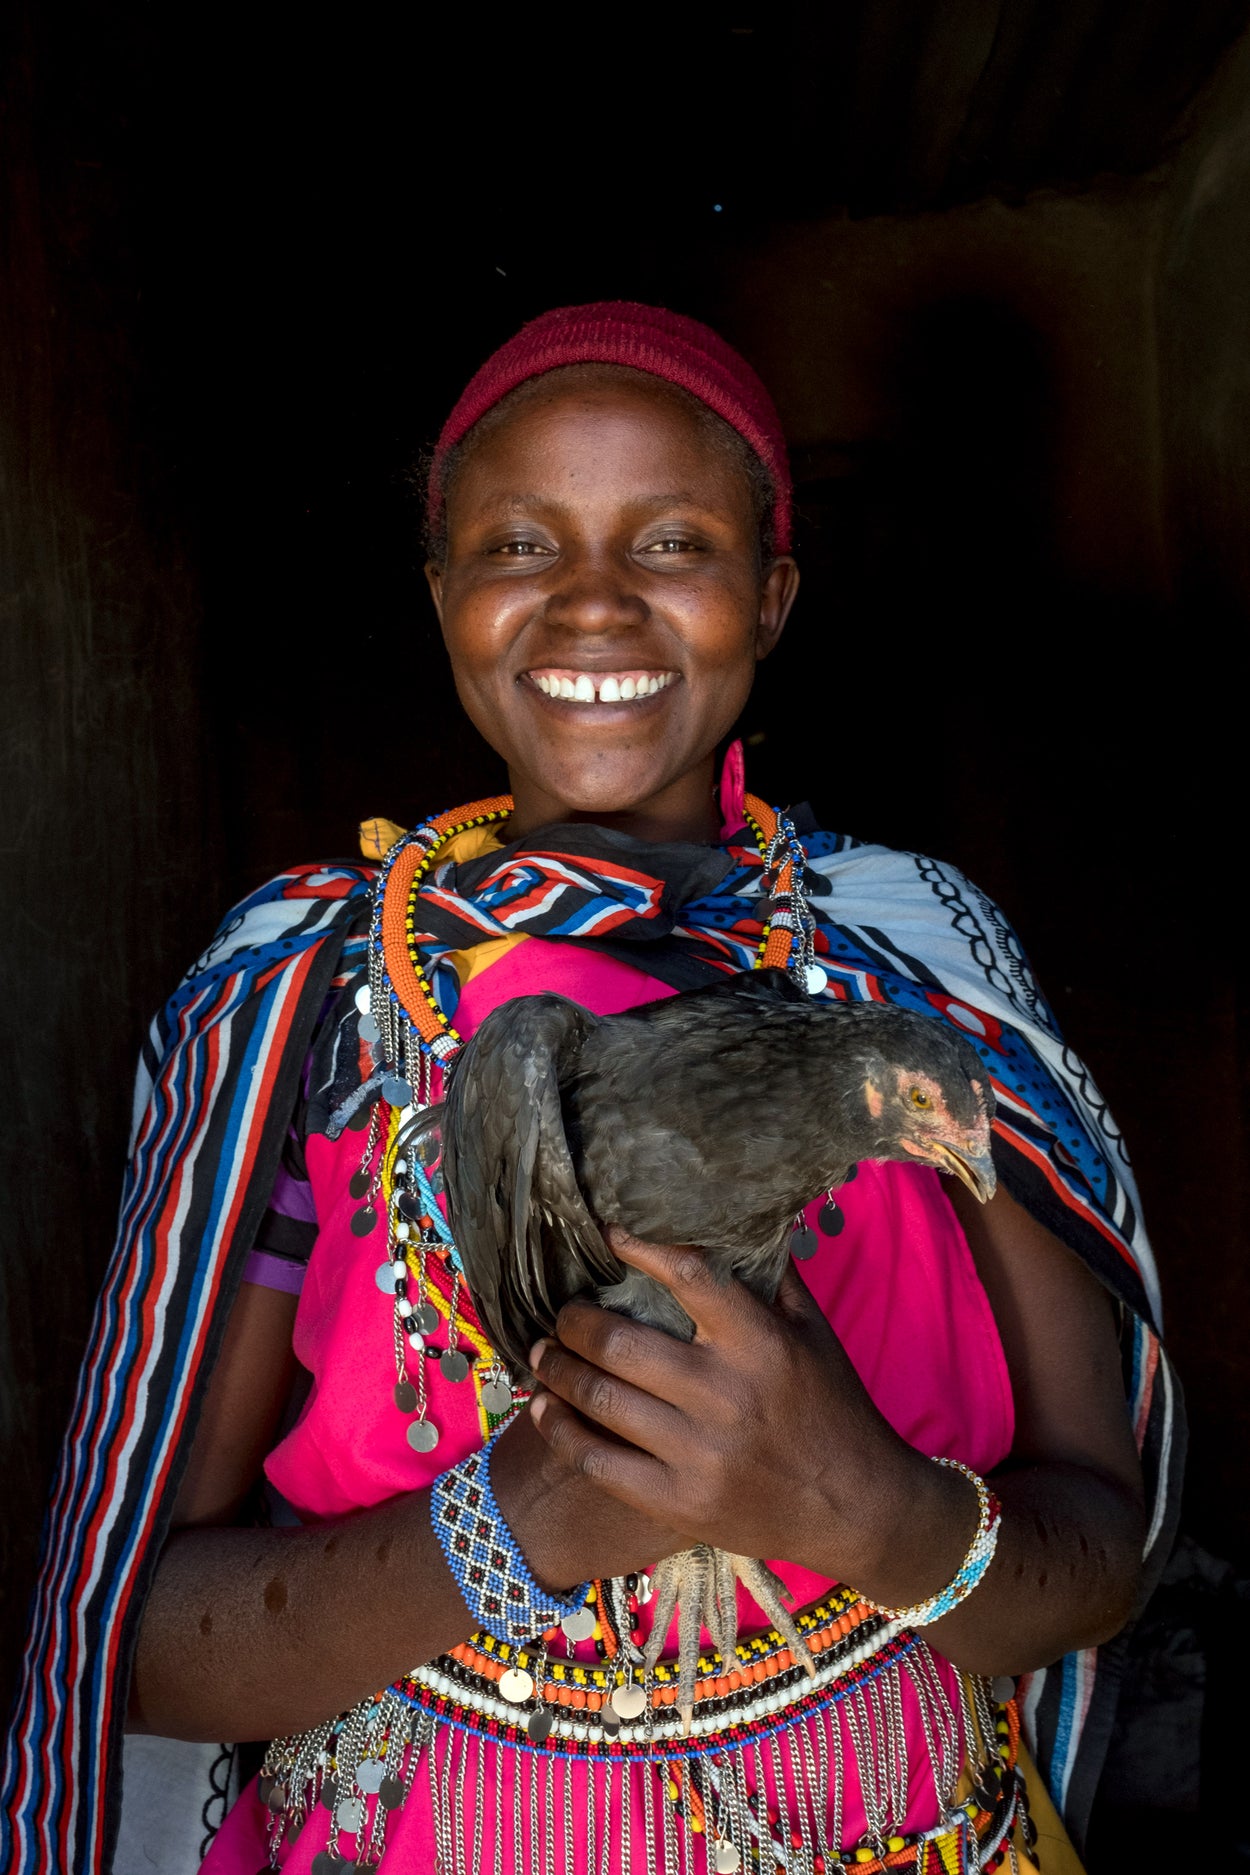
column 601, row 686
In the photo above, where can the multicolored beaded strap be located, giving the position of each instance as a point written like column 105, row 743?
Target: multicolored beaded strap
column 764, row 1730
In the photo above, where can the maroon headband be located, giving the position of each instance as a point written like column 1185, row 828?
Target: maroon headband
column 647, row 338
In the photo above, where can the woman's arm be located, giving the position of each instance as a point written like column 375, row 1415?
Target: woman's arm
column 252, row 1634
column 762, row 1432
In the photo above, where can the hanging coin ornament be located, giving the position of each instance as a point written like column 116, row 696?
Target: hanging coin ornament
column 425, row 1318
column 628, row 1702
column 453, row 1365
column 350, row 1814
column 539, row 1725
column 370, row 1775
column 405, row 1396
column 804, row 1242
column 364, row 999
column 368, row 1030
column 409, row 1206
column 323, row 1863
column 726, row 1859
column 364, row 1220
column 276, row 1798
column 516, row 1686
column 609, row 1722
column 814, row 979
column 580, row 1625
column 396, row 1092
column 329, row 1794
column 358, row 1184
column 497, row 1395
column 852, row 1172
column 831, row 1217
column 422, row 1436
column 390, row 1793
column 384, row 1277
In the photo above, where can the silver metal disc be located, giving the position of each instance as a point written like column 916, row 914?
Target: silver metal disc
column 453, row 1365
column 396, row 1092
column 580, row 1625
column 368, row 1028
column 629, row 1702
column 831, row 1217
column 422, row 1436
column 323, row 1863
column 405, row 1396
column 609, row 1722
column 804, row 1243
column 329, row 1793
column 370, row 1773
column 539, row 1725
column 390, row 1793
column 1004, row 1689
column 350, row 1814
column 358, row 1184
column 727, row 1860
column 277, row 1795
column 496, row 1396
column 384, row 1277
column 364, row 999
column 425, row 1317
column 516, row 1685
column 814, row 981
column 363, row 1220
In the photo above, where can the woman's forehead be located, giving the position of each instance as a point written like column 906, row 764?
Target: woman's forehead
column 593, row 426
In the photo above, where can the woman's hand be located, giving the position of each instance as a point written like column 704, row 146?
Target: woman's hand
column 757, row 1436
column 569, row 1528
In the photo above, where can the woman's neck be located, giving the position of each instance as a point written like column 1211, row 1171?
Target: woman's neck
column 685, row 810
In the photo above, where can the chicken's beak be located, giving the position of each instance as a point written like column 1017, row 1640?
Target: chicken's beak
column 975, row 1170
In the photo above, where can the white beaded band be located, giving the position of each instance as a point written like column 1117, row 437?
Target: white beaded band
column 979, row 1556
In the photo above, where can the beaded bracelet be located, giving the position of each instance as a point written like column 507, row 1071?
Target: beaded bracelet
column 483, row 1556
column 979, row 1556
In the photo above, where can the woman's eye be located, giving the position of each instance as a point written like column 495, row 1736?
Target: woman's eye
column 672, row 543
column 519, row 549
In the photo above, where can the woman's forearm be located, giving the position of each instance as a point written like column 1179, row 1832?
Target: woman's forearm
column 251, row 1634
column 1064, row 1574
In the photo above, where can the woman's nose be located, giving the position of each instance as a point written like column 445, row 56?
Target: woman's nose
column 593, row 593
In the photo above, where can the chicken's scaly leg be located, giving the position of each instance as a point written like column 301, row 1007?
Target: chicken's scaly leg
column 700, row 1583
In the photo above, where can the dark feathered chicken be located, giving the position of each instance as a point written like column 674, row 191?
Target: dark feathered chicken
column 708, row 1118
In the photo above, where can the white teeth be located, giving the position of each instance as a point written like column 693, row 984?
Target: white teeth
column 581, row 689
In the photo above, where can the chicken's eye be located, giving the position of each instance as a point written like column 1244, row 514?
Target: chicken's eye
column 919, row 1098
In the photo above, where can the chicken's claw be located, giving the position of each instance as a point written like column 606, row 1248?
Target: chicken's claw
column 701, row 1585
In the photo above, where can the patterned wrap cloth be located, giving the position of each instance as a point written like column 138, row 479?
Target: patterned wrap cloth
column 220, row 1079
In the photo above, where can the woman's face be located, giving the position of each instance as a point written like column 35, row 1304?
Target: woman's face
column 603, row 603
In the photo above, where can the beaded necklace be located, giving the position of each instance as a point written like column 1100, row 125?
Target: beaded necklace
column 411, row 1034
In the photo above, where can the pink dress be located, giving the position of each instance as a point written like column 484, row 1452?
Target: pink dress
column 898, row 1286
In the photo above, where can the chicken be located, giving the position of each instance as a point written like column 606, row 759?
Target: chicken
column 711, row 1118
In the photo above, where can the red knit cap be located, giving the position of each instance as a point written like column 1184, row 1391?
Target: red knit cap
column 619, row 332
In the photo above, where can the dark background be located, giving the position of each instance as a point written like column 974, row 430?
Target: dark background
column 993, row 258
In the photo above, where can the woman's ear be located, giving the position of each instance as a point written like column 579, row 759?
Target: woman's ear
column 434, row 580
column 781, row 584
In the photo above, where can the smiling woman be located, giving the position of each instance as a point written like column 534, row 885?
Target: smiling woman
column 448, row 1644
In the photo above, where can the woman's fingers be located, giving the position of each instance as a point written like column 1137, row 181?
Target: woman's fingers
column 622, row 1471
column 606, row 1398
